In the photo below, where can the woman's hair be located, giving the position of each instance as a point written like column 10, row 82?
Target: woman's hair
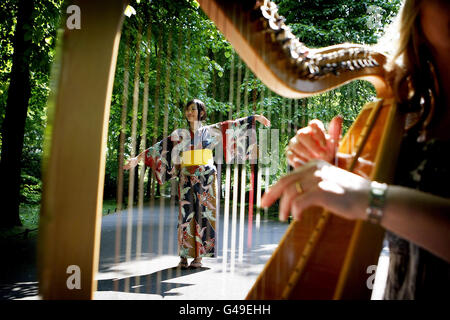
column 200, row 107
column 412, row 70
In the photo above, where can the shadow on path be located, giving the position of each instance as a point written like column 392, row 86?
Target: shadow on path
column 152, row 283
column 18, row 290
column 18, row 275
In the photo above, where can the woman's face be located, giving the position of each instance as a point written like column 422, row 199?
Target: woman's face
column 435, row 20
column 191, row 112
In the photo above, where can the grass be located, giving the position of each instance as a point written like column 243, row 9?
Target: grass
column 109, row 206
column 29, row 216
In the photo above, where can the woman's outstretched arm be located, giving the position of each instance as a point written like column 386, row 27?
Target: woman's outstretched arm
column 133, row 162
column 263, row 120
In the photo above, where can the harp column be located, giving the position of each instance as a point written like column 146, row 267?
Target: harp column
column 74, row 155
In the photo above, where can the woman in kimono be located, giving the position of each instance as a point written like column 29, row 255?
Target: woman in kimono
column 187, row 154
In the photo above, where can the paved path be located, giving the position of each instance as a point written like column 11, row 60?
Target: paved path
column 152, row 274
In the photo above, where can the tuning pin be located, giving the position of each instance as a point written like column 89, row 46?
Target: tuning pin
column 288, row 38
column 366, row 53
column 350, row 66
column 317, row 59
column 265, row 12
column 280, row 34
column 303, row 69
column 293, row 51
column 273, row 24
column 313, row 69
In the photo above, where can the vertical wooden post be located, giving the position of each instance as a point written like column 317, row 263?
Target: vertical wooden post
column 74, row 156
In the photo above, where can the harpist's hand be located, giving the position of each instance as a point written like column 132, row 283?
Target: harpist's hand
column 313, row 142
column 132, row 162
column 319, row 183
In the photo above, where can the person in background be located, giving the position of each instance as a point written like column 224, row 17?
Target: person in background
column 197, row 174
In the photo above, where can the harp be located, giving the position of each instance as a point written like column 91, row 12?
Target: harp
column 323, row 256
column 302, row 266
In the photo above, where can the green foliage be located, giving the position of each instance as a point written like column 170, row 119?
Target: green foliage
column 30, row 191
column 46, row 17
column 109, row 206
column 201, row 64
column 7, row 27
column 322, row 23
column 29, row 215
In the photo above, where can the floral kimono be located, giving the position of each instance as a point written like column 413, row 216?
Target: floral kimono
column 232, row 141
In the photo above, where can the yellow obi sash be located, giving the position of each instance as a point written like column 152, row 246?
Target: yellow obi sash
column 196, row 157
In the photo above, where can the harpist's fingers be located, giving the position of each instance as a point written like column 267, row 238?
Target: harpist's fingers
column 318, row 132
column 335, row 130
column 277, row 189
column 295, row 160
column 303, row 201
column 307, row 145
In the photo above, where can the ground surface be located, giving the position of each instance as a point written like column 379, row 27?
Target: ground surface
column 146, row 266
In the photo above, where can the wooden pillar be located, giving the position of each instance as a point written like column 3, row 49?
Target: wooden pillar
column 74, row 155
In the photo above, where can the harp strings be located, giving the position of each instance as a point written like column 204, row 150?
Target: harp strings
column 158, row 44
column 173, row 235
column 131, row 179
column 252, row 172
column 238, row 159
column 143, row 147
column 243, row 180
column 272, row 148
column 227, row 178
column 119, row 202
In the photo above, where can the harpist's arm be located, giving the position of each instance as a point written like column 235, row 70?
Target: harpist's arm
column 419, row 217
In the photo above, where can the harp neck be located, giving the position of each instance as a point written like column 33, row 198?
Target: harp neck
column 289, row 68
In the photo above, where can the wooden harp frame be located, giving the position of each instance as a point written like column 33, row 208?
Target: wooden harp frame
column 74, row 155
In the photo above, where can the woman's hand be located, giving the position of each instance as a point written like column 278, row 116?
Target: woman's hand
column 263, row 120
column 319, row 183
column 313, row 142
column 132, row 162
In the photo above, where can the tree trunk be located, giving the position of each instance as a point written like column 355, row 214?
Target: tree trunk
column 15, row 117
